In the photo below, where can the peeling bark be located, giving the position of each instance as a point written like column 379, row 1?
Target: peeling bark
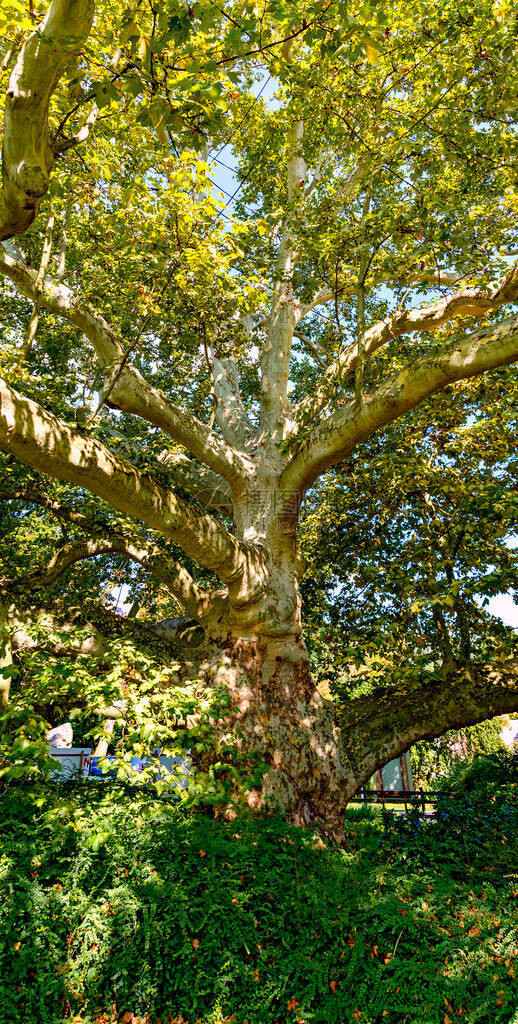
column 280, row 724
column 27, row 154
column 314, row 758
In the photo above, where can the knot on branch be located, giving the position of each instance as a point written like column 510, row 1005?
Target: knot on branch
column 32, row 179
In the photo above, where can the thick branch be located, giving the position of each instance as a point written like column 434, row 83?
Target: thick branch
column 163, row 566
column 320, row 298
column 204, row 485
column 178, row 581
column 336, row 436
column 47, row 444
column 27, row 154
column 385, row 724
column 62, row 251
column 70, row 553
column 132, row 393
column 101, row 624
column 468, row 302
column 231, row 415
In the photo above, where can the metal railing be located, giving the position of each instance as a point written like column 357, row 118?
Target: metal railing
column 413, row 797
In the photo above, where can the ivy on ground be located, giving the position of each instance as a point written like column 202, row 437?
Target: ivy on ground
column 117, row 905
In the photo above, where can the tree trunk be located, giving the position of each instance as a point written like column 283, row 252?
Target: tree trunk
column 311, row 756
column 280, row 724
column 6, row 657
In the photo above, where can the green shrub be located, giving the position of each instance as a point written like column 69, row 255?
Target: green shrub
column 114, row 901
column 433, row 760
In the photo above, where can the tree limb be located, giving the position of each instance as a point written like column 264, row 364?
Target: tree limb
column 131, row 393
column 62, row 251
column 386, row 723
column 360, row 343
column 101, row 624
column 320, row 297
column 204, row 485
column 335, row 437
column 430, row 275
column 44, row 442
column 467, row 302
column 199, row 603
column 231, row 415
column 27, row 155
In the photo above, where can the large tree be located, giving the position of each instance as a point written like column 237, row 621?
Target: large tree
column 200, row 366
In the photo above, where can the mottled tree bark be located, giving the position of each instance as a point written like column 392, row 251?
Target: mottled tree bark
column 27, row 154
column 316, row 756
column 279, row 721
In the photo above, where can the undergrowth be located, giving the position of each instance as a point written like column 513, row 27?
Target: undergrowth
column 117, row 905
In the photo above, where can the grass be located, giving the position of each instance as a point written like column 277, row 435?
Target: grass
column 395, row 805
column 119, row 906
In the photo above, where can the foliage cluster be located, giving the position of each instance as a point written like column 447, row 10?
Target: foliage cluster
column 115, row 902
column 161, row 709
column 408, row 542
column 433, row 760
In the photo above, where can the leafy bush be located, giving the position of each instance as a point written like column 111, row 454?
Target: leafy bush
column 116, row 903
column 433, row 760
column 162, row 710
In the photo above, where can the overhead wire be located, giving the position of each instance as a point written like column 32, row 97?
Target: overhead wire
column 232, row 196
column 243, row 119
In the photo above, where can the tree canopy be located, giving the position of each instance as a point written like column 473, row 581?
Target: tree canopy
column 298, row 394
